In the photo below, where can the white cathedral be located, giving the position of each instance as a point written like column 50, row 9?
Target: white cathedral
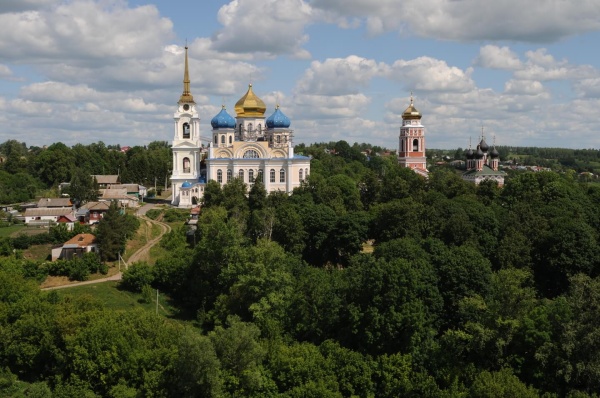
column 249, row 146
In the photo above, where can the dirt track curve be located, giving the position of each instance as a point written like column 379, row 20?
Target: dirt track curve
column 139, row 255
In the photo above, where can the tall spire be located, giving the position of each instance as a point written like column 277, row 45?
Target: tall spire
column 187, row 95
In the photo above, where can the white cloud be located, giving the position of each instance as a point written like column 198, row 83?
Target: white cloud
column 494, row 57
column 429, row 74
column 336, row 76
column 524, row 87
column 83, row 32
column 270, row 27
column 545, row 21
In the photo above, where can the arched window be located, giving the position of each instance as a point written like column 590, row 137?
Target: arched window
column 249, row 127
column 259, row 128
column 186, row 165
column 278, row 139
column 301, row 175
column 259, row 176
column 230, row 139
column 216, row 139
column 250, row 175
column 220, row 176
column 282, row 175
column 402, row 145
column 228, row 175
column 222, row 139
column 415, row 145
column 251, row 154
column 186, row 130
column 272, row 175
column 241, row 175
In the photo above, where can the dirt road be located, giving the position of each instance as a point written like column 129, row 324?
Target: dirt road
column 142, row 254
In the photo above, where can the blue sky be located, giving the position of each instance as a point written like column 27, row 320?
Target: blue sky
column 82, row 71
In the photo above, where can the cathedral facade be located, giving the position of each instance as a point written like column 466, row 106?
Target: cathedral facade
column 250, row 147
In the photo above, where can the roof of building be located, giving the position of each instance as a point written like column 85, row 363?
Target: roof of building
column 47, row 211
column 223, row 120
column 67, row 218
column 127, row 187
column 411, row 112
column 278, row 119
column 54, row 202
column 81, row 240
column 250, row 105
column 485, row 171
column 96, row 206
column 107, row 179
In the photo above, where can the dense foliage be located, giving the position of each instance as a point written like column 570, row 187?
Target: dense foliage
column 368, row 281
column 26, row 171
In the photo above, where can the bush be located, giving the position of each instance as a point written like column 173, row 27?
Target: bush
column 137, row 276
column 154, row 213
column 174, row 215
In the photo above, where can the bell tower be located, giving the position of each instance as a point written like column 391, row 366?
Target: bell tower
column 186, row 140
column 411, row 152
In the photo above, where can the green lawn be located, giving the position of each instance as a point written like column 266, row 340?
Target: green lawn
column 12, row 230
column 120, row 300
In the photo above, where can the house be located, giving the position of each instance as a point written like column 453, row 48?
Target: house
column 92, row 212
column 120, row 195
column 75, row 247
column 68, row 219
column 105, row 181
column 45, row 216
column 132, row 189
column 54, row 203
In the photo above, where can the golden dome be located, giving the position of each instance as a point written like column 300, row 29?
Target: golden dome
column 411, row 112
column 250, row 105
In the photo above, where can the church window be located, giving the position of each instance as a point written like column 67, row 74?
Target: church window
column 272, row 175
column 305, row 173
column 220, row 176
column 278, row 139
column 251, row 154
column 249, row 126
column 282, row 175
column 241, row 175
column 228, row 175
column 216, row 139
column 259, row 176
column 301, row 175
column 230, row 139
column 186, row 130
column 222, row 139
column 402, row 145
column 250, row 175
column 415, row 145
column 186, row 165
column 259, row 127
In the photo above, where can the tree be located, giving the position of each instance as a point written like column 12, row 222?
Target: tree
column 83, row 187
column 112, row 232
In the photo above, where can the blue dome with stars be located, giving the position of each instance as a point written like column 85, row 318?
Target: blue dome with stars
column 223, row 120
column 278, row 120
column 186, row 184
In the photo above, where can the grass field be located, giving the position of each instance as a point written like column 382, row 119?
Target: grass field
column 11, row 231
column 116, row 299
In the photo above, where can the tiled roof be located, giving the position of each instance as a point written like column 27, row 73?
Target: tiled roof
column 81, row 240
column 107, row 179
column 54, row 202
column 47, row 211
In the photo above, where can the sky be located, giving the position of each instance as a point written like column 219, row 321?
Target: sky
column 523, row 73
